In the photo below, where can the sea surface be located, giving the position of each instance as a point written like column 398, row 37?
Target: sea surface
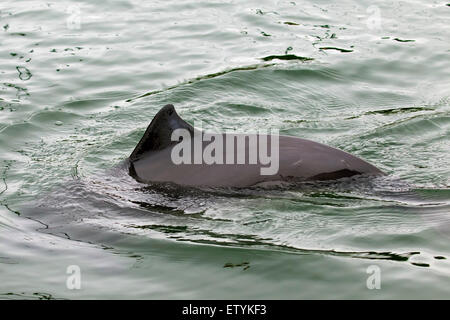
column 81, row 80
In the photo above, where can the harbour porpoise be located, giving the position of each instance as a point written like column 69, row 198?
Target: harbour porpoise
column 168, row 140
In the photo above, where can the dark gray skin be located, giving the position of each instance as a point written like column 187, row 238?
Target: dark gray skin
column 299, row 159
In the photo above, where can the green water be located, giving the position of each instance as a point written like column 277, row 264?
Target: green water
column 371, row 78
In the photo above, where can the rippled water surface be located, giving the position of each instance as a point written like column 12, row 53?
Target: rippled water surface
column 81, row 80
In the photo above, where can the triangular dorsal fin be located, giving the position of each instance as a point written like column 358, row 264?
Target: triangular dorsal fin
column 159, row 132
